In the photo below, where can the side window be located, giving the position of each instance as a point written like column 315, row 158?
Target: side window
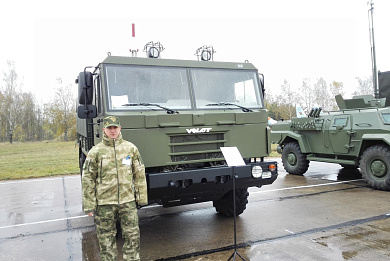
column 340, row 121
column 386, row 117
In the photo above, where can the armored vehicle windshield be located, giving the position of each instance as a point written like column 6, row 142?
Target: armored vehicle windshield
column 140, row 88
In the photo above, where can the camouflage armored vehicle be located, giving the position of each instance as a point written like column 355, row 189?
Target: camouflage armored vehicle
column 179, row 113
column 358, row 135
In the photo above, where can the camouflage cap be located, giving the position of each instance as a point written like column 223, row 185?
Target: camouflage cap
column 111, row 121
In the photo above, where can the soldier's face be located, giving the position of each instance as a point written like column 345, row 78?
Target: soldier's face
column 112, row 132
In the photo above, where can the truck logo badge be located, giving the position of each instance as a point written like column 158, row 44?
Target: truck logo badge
column 197, row 130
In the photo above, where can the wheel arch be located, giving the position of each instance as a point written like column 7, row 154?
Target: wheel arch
column 369, row 140
column 294, row 137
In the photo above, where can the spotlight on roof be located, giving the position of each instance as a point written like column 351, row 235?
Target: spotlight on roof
column 153, row 50
column 205, row 53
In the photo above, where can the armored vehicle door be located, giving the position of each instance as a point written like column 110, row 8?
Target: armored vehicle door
column 340, row 133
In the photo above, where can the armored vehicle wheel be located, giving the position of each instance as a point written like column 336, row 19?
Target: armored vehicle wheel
column 294, row 161
column 375, row 167
column 224, row 205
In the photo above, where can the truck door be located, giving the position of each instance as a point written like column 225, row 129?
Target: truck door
column 339, row 133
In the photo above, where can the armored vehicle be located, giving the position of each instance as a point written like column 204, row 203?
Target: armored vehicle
column 179, row 114
column 358, row 135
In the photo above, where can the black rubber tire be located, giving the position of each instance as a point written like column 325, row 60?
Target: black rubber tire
column 225, row 207
column 294, row 161
column 375, row 167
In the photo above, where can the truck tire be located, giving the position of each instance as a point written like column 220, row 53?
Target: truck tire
column 225, row 207
column 294, row 161
column 375, row 167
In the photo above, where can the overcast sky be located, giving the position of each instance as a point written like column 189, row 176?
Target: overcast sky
column 284, row 39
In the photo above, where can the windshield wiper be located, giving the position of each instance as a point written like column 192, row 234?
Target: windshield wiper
column 230, row 104
column 169, row 111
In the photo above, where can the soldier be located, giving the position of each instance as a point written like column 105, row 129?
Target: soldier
column 113, row 184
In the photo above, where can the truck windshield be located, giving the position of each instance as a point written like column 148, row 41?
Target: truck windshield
column 171, row 87
column 225, row 88
column 167, row 87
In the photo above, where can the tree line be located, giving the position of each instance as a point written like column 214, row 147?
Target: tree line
column 309, row 95
column 23, row 119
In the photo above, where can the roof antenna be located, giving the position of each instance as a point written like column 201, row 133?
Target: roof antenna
column 133, row 51
column 373, row 55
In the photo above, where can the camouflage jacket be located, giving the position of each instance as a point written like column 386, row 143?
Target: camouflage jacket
column 113, row 173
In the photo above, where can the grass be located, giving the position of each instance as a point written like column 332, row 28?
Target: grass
column 37, row 159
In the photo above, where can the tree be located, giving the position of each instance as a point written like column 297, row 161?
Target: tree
column 335, row 89
column 365, row 86
column 11, row 100
column 306, row 95
column 322, row 96
column 61, row 112
column 272, row 106
column 287, row 101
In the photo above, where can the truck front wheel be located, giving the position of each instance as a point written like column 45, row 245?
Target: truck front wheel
column 375, row 167
column 225, row 206
column 294, row 161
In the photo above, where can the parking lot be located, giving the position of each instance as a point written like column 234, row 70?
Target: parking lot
column 327, row 214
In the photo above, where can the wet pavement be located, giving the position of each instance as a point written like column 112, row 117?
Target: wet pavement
column 323, row 215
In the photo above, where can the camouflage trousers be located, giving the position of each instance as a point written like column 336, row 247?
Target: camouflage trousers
column 106, row 218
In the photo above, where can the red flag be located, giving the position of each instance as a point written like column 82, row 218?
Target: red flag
column 133, row 27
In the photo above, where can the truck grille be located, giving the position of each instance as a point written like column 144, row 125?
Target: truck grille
column 196, row 147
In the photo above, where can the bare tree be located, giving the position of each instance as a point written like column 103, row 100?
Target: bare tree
column 11, row 100
column 306, row 95
column 335, row 89
column 365, row 86
column 322, row 96
column 287, row 101
column 62, row 109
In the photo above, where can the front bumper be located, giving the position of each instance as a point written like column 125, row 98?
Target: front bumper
column 207, row 184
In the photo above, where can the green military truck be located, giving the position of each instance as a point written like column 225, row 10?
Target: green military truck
column 358, row 135
column 179, row 114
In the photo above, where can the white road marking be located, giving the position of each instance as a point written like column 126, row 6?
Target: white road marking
column 308, row 186
column 45, row 221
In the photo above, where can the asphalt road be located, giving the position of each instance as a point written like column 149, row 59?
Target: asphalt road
column 324, row 215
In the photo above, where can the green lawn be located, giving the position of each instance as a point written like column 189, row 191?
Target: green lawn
column 37, row 159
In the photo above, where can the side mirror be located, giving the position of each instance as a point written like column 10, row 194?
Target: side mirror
column 87, row 111
column 85, row 86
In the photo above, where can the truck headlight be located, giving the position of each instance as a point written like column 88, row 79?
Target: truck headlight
column 257, row 171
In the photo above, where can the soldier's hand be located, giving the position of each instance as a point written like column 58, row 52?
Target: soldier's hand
column 91, row 214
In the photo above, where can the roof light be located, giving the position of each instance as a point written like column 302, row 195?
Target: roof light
column 153, row 50
column 205, row 53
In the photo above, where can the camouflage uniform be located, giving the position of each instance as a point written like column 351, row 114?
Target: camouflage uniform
column 113, row 182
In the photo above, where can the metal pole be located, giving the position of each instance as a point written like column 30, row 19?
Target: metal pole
column 373, row 55
column 235, row 253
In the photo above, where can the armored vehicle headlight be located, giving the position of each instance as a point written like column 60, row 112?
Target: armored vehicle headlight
column 257, row 171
